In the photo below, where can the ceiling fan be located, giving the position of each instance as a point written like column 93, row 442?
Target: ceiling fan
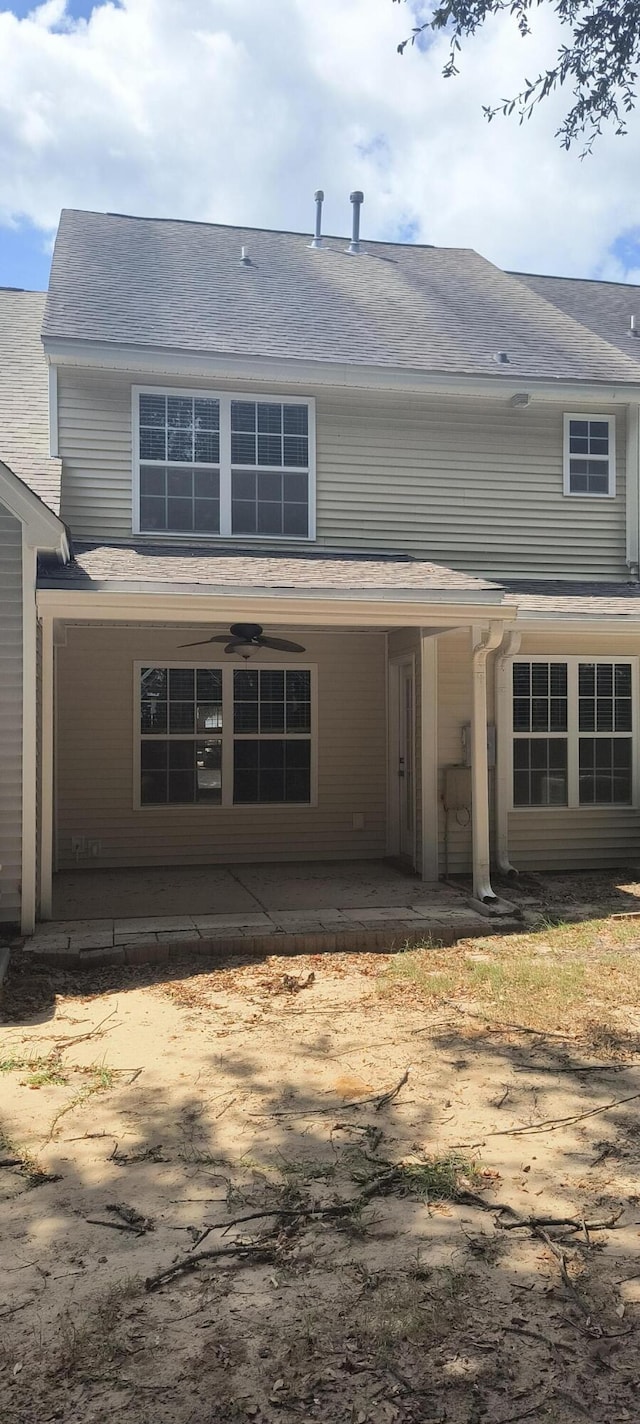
column 245, row 638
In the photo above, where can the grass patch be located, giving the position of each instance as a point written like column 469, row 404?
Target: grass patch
column 568, row 977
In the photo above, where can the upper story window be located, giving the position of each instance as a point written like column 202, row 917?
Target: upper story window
column 223, row 465
column 589, row 455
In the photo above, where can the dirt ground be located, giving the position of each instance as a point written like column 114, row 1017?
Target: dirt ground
column 400, row 1257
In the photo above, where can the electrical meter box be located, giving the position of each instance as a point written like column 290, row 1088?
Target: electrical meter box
column 466, row 744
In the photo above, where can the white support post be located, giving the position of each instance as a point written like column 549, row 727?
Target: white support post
column 503, row 755
column 29, row 736
column 482, row 646
column 429, row 806
column 633, row 490
column 47, row 712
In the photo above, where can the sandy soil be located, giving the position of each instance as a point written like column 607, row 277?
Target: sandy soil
column 231, row 1092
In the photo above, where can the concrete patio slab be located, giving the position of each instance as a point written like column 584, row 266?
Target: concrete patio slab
column 142, row 892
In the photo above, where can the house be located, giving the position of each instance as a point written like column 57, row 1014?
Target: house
column 420, row 471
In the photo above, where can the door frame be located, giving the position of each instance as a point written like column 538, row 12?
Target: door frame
column 396, row 668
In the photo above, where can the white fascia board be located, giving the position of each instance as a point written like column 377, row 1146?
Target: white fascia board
column 43, row 529
column 132, row 602
column 144, row 360
column 577, row 623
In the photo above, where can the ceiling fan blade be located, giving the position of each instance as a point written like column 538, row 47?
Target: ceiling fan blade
column 282, row 645
column 218, row 638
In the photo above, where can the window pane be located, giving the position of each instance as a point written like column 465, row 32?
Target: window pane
column 209, row 684
column 180, row 482
column 181, row 684
column 269, row 419
column 180, row 514
column 599, row 429
column 180, row 445
column 181, row 717
column 272, row 771
column 295, row 488
column 298, row 701
column 207, row 448
column 243, row 415
column 206, row 484
column 153, row 445
column 207, row 414
column 295, row 419
column 209, row 771
column 153, row 514
column 269, row 486
column 269, row 450
column 269, row 518
column 153, row 717
column 540, row 697
column 206, row 518
column 153, row 410
column 296, row 450
column 605, row 770
column 180, row 412
column 243, row 484
column 243, row 517
column 243, row 449
column 296, row 520
column 245, row 700
column 152, row 482
column 540, row 771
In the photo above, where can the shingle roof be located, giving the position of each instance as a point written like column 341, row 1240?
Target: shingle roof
column 24, row 395
column 567, row 598
column 163, row 283
column 242, row 568
column 605, row 307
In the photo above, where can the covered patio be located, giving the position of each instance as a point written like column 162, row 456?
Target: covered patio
column 150, row 914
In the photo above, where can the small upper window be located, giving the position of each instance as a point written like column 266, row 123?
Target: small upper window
column 589, row 455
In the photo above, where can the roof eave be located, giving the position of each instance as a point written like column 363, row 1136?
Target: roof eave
column 155, row 360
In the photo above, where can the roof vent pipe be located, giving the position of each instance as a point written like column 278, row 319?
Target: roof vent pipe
column 354, row 246
column 245, row 259
column 317, row 237
column 633, row 328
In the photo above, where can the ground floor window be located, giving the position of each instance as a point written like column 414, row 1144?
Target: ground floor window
column 573, row 724
column 224, row 735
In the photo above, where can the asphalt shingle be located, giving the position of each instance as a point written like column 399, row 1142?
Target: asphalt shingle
column 241, row 568
column 605, row 308
column 24, row 395
column 146, row 282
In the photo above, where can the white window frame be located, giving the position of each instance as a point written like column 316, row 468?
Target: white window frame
column 608, row 420
column 573, row 734
column 228, row 738
column 224, row 398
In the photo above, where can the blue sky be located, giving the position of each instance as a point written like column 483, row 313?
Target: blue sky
column 237, row 110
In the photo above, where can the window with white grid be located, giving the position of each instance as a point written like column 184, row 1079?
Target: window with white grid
column 589, row 455
column 573, row 732
column 223, row 465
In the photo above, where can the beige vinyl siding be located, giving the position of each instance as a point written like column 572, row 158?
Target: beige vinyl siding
column 556, row 838
column 95, row 793
column 471, row 482
column 454, row 710
column 10, row 715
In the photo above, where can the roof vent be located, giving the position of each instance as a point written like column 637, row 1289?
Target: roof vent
column 245, row 260
column 502, row 358
column 633, row 328
column 521, row 398
column 317, row 237
column 354, row 246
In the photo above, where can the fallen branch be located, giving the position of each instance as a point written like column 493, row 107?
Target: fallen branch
column 82, row 1037
column 566, row 1279
column 550, row 1123
column 379, row 1099
column 11, row 1162
column 575, row 1068
column 254, row 1249
column 225, row 1226
column 115, row 1225
column 572, row 1222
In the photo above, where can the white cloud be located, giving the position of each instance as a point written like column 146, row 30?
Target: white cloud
column 236, row 110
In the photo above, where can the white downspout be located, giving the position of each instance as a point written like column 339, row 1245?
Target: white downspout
column 633, row 491
column 510, row 648
column 482, row 646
